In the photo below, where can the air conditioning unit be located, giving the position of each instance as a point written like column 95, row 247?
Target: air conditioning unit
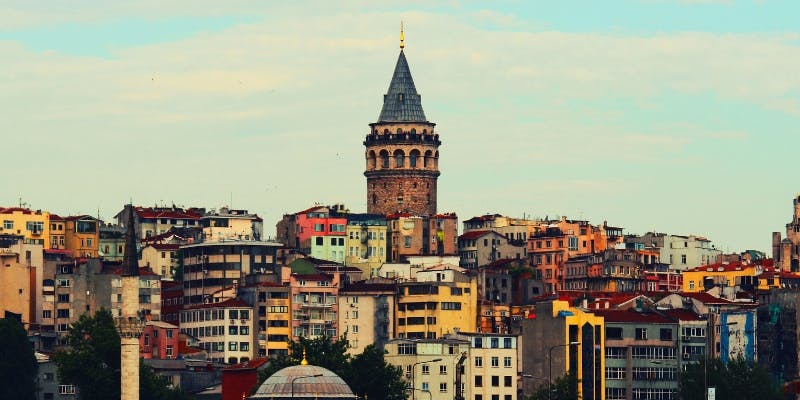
column 687, row 356
column 233, row 322
column 243, row 321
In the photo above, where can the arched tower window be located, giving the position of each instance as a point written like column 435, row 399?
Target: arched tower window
column 412, row 158
column 371, row 160
column 400, row 198
column 426, row 162
column 385, row 131
column 436, row 160
column 399, row 158
column 384, row 159
column 399, row 131
column 413, row 131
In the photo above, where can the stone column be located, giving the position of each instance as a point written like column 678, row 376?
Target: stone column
column 130, row 325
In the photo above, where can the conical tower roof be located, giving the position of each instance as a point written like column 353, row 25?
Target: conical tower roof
column 402, row 103
column 130, row 261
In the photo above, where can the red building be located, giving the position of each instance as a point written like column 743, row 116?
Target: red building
column 159, row 340
column 296, row 230
column 239, row 379
column 171, row 301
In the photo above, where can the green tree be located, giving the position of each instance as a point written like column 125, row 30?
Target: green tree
column 18, row 365
column 564, row 388
column 739, row 379
column 367, row 373
column 92, row 362
column 372, row 376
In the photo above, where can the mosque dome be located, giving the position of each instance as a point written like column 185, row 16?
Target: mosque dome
column 305, row 382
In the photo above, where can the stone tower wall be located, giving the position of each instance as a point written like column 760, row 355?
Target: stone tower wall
column 402, row 167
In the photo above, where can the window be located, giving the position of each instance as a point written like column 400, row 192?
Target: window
column 615, row 373
column 495, row 381
column 169, row 350
column 244, row 346
column 233, row 330
column 616, row 352
column 443, row 387
column 244, row 330
column 478, row 380
column 507, row 343
column 232, row 346
column 683, row 259
column 443, row 370
column 146, row 339
column 641, row 333
column 66, row 389
column 613, row 393
column 507, row 362
column 62, row 313
column 407, row 241
column 507, row 381
column 233, row 314
column 495, row 362
column 426, row 369
column 613, row 333
column 495, row 343
column 666, row 334
column 47, row 314
column 169, row 333
column 478, row 362
column 425, row 386
column 63, row 298
column 8, row 224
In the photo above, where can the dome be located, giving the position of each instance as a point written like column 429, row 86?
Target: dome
column 309, row 381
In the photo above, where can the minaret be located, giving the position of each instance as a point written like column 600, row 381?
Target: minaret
column 130, row 323
column 402, row 150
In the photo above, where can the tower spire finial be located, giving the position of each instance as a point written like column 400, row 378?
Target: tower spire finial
column 304, row 361
column 402, row 37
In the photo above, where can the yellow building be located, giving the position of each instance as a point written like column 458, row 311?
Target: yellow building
column 442, row 300
column 33, row 226
column 19, row 279
column 82, row 235
column 271, row 303
column 564, row 339
column 365, row 240
column 730, row 274
column 58, row 231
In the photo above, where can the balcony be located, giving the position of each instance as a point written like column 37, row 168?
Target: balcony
column 316, row 305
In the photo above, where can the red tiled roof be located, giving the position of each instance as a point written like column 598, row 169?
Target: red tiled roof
column 255, row 363
column 683, row 314
column 55, row 217
column 308, row 210
column 143, row 271
column 176, row 213
column 11, row 210
column 227, row 303
column 475, row 234
column 766, row 264
column 631, row 315
column 163, row 246
column 398, row 215
column 445, row 216
column 705, row 298
column 482, row 218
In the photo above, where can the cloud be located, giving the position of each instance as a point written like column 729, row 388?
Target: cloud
column 283, row 102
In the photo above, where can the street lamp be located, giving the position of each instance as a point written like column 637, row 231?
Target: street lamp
column 529, row 376
column 291, row 382
column 550, row 361
column 430, row 395
column 412, row 374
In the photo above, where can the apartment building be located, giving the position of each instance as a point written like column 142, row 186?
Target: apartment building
column 159, row 340
column 271, row 302
column 32, row 225
column 297, row 230
column 482, row 247
column 442, row 300
column 367, row 313
column 366, row 242
column 229, row 224
column 152, row 221
column 413, row 235
column 681, row 252
column 224, row 330
column 641, row 355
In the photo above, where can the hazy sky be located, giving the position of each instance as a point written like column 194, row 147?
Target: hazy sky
column 675, row 116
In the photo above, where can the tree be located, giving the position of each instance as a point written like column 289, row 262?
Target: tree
column 367, row 373
column 564, row 388
column 739, row 379
column 92, row 362
column 18, row 365
column 374, row 377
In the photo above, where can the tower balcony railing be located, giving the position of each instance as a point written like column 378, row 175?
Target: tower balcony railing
column 402, row 138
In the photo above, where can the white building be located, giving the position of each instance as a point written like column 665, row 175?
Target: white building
column 679, row 251
column 482, row 365
column 224, row 330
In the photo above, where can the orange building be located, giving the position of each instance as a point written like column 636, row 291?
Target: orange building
column 412, row 235
column 552, row 243
column 82, row 235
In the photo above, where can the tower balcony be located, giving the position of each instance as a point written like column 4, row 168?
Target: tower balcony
column 405, row 138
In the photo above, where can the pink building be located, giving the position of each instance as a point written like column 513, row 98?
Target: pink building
column 314, row 301
column 159, row 340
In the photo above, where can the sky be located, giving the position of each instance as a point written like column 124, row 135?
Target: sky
column 670, row 116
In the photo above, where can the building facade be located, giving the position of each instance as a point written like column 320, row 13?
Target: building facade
column 367, row 313
column 224, row 330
